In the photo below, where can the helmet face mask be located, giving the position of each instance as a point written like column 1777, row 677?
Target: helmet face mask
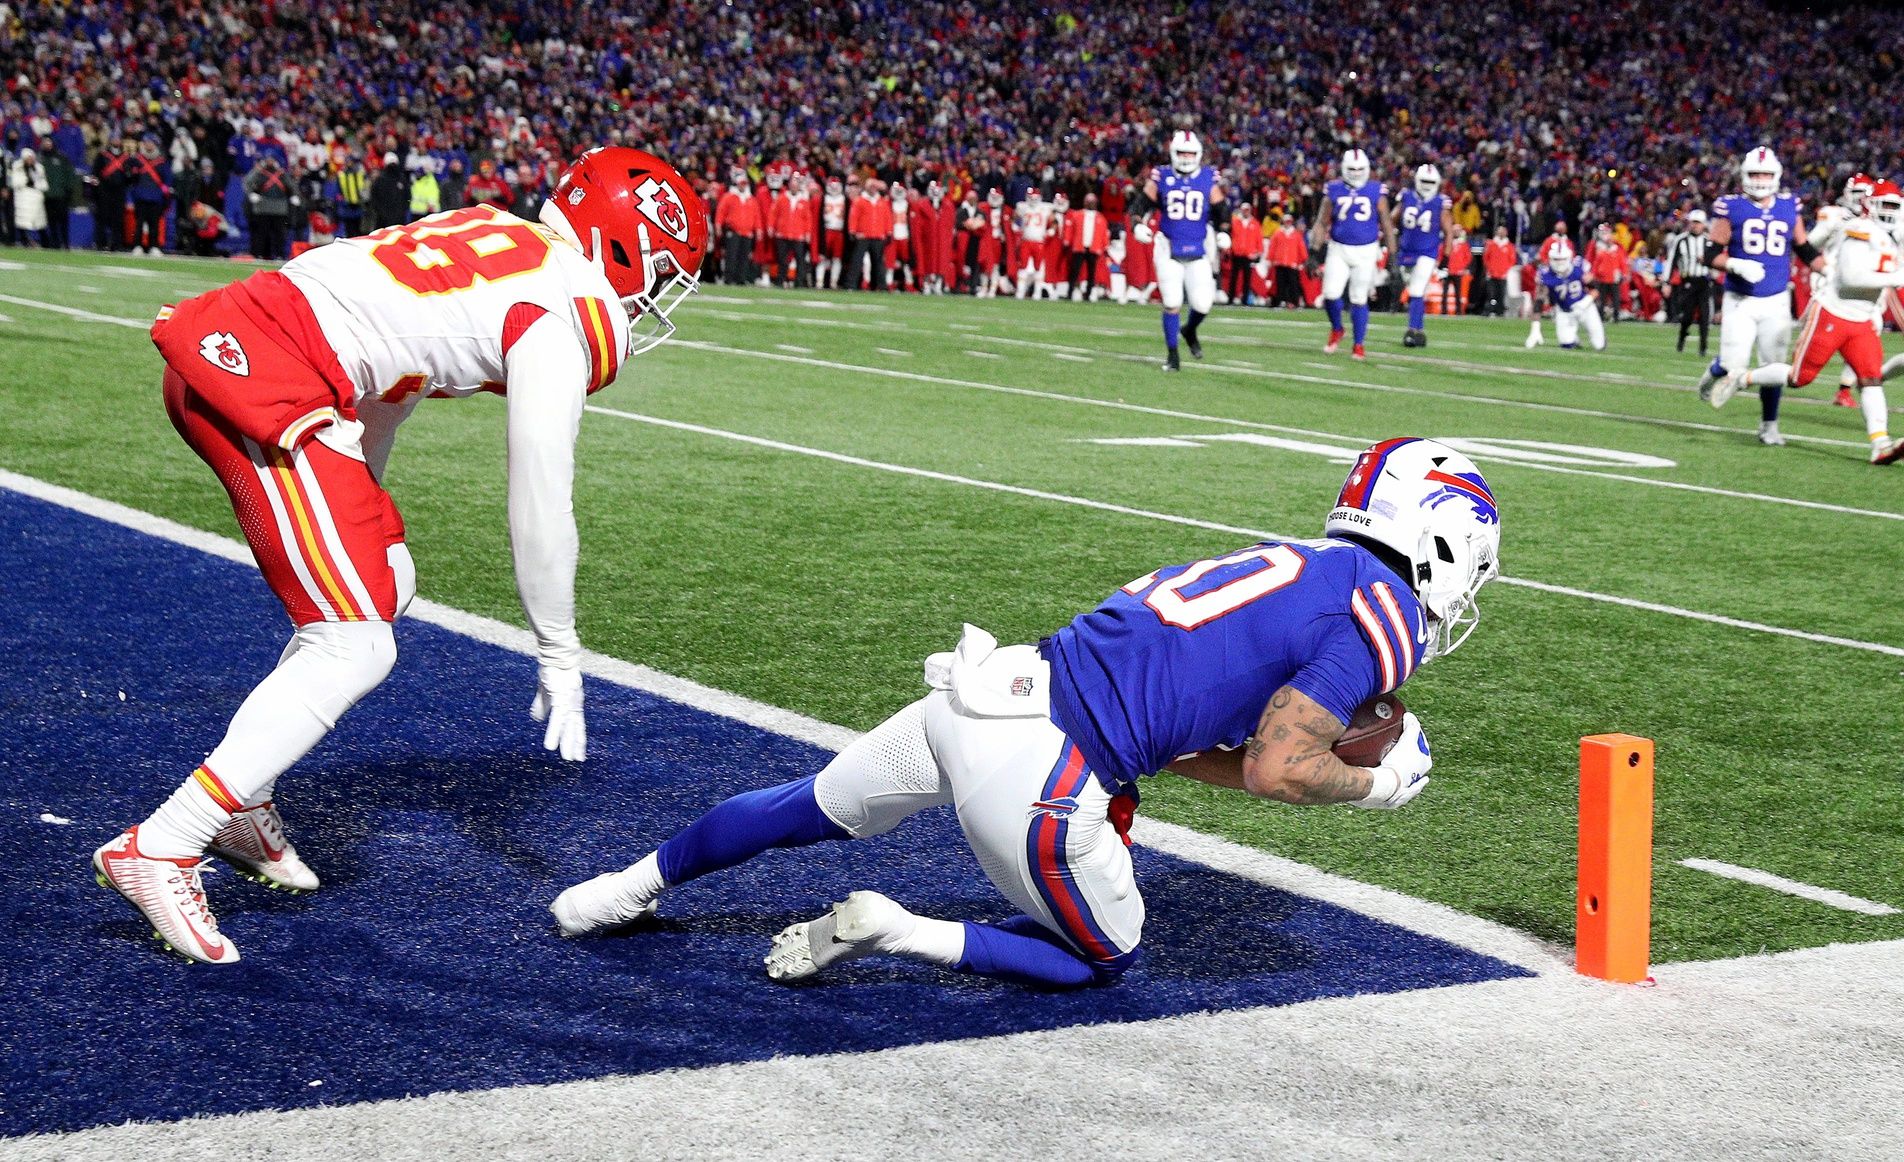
column 1560, row 259
column 1429, row 506
column 1427, row 181
column 1355, row 167
column 1186, row 152
column 1759, row 174
column 1857, row 189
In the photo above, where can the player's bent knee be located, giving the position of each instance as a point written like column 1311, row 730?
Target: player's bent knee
column 1108, row 970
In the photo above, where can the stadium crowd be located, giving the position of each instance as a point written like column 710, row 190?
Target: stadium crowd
column 219, row 126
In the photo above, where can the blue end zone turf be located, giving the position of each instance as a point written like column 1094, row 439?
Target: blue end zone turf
column 441, row 829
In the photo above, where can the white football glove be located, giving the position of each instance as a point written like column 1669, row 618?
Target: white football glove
column 1533, row 336
column 1143, row 233
column 1749, row 269
column 558, row 702
column 1404, row 773
column 1222, row 239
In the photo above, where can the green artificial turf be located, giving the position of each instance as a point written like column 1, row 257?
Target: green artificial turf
column 818, row 584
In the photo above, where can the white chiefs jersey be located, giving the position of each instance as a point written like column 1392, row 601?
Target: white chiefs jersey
column 833, row 211
column 431, row 308
column 1036, row 222
column 1863, row 264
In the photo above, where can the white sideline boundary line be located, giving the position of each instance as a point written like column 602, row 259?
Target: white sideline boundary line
column 1216, row 526
column 1120, row 405
column 1422, row 916
column 77, row 313
column 1830, row 897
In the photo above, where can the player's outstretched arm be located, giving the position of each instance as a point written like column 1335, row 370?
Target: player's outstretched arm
column 548, row 373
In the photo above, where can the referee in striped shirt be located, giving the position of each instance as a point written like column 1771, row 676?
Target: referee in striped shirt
column 1692, row 279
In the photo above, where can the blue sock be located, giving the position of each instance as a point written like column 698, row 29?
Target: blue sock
column 1023, row 951
column 1359, row 313
column 742, row 827
column 1768, row 402
column 1171, row 323
column 1417, row 313
column 1334, row 307
column 1716, row 371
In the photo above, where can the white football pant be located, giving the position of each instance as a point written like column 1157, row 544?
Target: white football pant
column 1584, row 316
column 1178, row 280
column 983, row 741
column 1419, row 272
column 1754, row 323
column 1352, row 267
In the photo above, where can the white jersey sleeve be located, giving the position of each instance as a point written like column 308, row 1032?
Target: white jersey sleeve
column 548, row 377
column 1864, row 263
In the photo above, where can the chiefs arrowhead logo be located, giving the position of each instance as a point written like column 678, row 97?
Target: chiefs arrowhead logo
column 221, row 350
column 663, row 208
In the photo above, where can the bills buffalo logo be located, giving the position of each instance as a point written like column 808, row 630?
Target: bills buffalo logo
column 1462, row 486
column 1021, row 687
column 663, row 208
column 1056, row 808
column 221, row 350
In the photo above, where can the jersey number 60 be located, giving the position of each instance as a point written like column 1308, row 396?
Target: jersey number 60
column 1277, row 566
column 1183, row 205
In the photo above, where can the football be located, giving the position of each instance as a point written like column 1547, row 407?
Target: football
column 1374, row 728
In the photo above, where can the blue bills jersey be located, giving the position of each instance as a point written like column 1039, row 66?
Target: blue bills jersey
column 1761, row 233
column 1421, row 225
column 1185, row 659
column 1183, row 204
column 1566, row 290
column 1353, row 209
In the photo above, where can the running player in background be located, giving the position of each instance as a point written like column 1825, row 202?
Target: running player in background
column 1845, row 306
column 1753, row 237
column 1423, row 220
column 1356, row 225
column 1239, row 671
column 1188, row 196
column 291, row 385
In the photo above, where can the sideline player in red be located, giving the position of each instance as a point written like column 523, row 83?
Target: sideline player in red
column 291, row 384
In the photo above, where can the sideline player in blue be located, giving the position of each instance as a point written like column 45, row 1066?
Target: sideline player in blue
column 1355, row 225
column 1751, row 242
column 1239, row 671
column 1189, row 196
column 1563, row 282
column 1423, row 220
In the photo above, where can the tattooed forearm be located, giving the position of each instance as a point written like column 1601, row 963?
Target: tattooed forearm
column 1289, row 757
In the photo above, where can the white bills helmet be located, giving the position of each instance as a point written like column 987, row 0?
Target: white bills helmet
column 1427, row 505
column 1186, row 152
column 1560, row 257
column 1355, row 167
column 1427, row 180
column 1759, row 173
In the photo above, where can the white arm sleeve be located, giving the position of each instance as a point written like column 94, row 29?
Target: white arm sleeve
column 548, row 375
column 1857, row 267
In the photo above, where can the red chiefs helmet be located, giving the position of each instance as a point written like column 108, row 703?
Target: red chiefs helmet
column 641, row 223
column 1885, row 202
column 1857, row 188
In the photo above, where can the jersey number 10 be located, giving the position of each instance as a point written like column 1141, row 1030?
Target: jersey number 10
column 1278, row 566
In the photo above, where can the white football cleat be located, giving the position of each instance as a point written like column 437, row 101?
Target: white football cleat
column 168, row 894
column 1887, row 453
column 607, row 901
column 1724, row 388
column 254, row 844
column 856, row 926
column 1769, row 434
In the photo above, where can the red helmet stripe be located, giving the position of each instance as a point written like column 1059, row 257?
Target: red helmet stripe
column 1461, row 484
column 1367, row 470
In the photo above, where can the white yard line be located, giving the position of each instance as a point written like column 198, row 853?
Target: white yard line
column 983, row 354
column 795, row 349
column 893, row 351
column 1120, row 405
column 1070, row 358
column 1764, row 879
column 77, row 313
column 1431, row 919
column 1216, row 526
